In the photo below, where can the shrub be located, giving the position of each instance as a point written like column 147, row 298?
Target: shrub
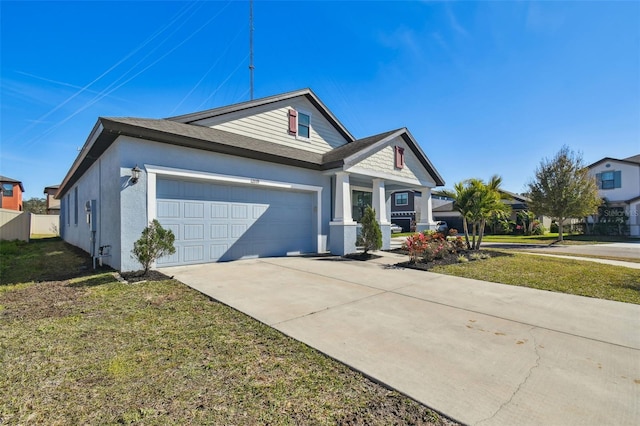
column 553, row 227
column 462, row 259
column 154, row 243
column 415, row 245
column 453, row 232
column 538, row 228
column 485, row 256
column 371, row 236
column 475, row 256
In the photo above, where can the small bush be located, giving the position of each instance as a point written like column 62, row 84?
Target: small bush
column 462, row 259
column 371, row 236
column 485, row 256
column 553, row 227
column 154, row 243
column 475, row 256
column 538, row 228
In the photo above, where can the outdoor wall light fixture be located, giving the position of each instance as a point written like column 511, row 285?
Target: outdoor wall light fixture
column 135, row 174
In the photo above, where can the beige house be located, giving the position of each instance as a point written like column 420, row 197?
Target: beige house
column 53, row 205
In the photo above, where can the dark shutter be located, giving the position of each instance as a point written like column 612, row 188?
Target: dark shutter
column 399, row 157
column 293, row 122
column 599, row 180
column 617, row 179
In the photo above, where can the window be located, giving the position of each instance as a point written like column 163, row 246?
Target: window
column 402, row 199
column 75, row 206
column 359, row 200
column 7, row 190
column 610, row 180
column 304, row 125
column 299, row 124
column 68, row 209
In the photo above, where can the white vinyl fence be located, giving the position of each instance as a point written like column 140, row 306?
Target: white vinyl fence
column 14, row 225
column 45, row 224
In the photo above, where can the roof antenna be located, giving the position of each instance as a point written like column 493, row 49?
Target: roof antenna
column 251, row 67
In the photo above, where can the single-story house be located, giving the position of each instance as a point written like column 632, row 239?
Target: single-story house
column 269, row 177
column 11, row 191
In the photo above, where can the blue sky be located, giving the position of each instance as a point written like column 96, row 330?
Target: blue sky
column 485, row 87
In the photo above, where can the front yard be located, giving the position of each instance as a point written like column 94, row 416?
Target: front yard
column 554, row 274
column 78, row 347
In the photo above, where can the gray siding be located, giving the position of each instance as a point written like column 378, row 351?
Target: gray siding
column 271, row 122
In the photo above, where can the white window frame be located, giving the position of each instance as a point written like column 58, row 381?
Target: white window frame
column 308, row 114
column 396, row 198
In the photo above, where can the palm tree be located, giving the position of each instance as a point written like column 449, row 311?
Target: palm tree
column 477, row 202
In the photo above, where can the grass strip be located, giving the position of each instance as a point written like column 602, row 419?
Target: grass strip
column 554, row 274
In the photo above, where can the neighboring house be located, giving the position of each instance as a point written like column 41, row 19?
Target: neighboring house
column 403, row 209
column 53, row 204
column 11, row 193
column 271, row 177
column 619, row 184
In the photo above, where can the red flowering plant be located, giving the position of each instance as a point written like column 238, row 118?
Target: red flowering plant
column 415, row 244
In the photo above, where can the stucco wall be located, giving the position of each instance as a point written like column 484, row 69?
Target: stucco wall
column 101, row 183
column 630, row 183
column 133, row 207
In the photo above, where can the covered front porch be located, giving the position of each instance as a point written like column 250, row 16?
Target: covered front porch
column 352, row 192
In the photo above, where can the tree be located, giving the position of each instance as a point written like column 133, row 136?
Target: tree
column 563, row 189
column 35, row 205
column 371, row 236
column 477, row 202
column 154, row 243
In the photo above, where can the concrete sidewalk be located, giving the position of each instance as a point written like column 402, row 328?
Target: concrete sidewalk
column 479, row 352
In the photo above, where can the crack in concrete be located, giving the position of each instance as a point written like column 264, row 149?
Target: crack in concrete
column 524, row 381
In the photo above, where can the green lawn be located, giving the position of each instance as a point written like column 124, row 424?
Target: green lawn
column 554, row 274
column 551, row 237
column 92, row 350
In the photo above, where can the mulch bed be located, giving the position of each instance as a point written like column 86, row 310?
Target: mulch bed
column 361, row 256
column 138, row 276
column 450, row 260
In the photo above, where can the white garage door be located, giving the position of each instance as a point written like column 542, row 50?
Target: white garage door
column 215, row 222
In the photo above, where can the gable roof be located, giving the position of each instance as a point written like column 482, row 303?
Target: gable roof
column 4, row 179
column 337, row 157
column 307, row 93
column 180, row 132
column 635, row 160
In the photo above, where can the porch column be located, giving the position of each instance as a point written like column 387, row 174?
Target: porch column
column 342, row 205
column 379, row 201
column 426, row 218
column 342, row 229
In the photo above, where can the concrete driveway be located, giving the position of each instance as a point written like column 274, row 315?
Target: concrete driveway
column 481, row 353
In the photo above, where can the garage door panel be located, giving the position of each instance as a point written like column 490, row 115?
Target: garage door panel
column 219, row 211
column 194, row 253
column 168, row 209
column 233, row 222
column 194, row 210
column 219, row 231
column 194, row 231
